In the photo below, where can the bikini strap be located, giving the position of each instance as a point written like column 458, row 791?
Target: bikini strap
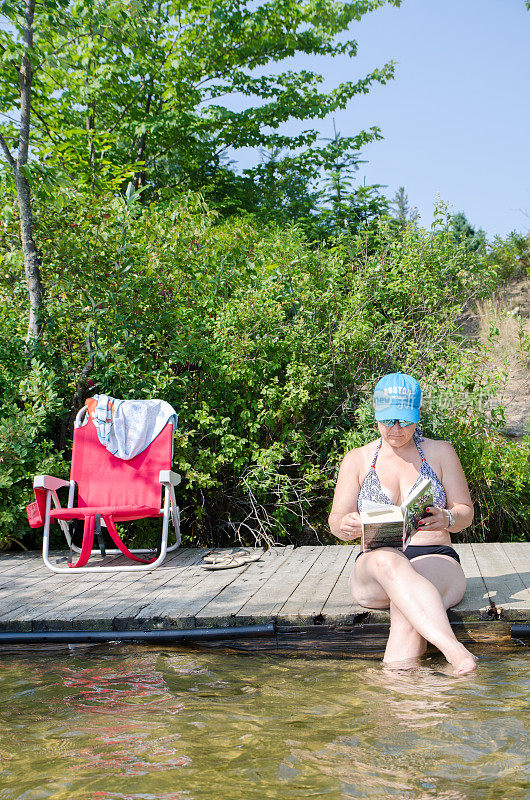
column 377, row 449
column 420, row 451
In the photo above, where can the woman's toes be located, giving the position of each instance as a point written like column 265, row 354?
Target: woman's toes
column 465, row 665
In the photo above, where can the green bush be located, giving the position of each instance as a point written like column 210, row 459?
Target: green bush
column 267, row 347
column 30, row 405
column 510, row 257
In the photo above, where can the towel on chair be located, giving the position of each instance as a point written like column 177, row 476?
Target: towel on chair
column 127, row 427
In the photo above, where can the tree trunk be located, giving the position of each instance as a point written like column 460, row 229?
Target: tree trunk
column 29, row 249
column 139, row 177
column 91, row 114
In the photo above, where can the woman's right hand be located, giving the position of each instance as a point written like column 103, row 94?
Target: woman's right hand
column 350, row 527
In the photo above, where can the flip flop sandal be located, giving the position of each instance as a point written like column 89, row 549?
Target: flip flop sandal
column 230, row 561
column 226, row 562
column 213, row 555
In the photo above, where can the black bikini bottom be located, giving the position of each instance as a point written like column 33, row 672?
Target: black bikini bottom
column 414, row 550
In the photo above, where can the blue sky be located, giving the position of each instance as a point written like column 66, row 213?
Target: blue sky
column 456, row 118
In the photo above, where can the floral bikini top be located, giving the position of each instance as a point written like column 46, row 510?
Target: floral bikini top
column 372, row 490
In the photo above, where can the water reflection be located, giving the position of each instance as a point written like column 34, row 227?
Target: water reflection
column 110, row 724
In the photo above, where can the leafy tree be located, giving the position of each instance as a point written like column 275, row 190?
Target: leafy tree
column 131, row 91
column 465, row 233
column 367, row 204
column 290, row 188
column 340, row 167
column 147, row 86
column 401, row 207
column 400, row 204
column 19, row 58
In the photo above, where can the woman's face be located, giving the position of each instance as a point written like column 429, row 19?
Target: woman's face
column 396, row 436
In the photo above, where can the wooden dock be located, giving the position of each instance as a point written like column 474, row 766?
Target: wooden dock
column 302, row 586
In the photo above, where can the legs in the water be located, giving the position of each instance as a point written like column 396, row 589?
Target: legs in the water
column 418, row 593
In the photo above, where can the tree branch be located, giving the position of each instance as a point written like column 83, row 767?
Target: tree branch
column 29, row 249
column 129, row 104
column 7, row 152
column 58, row 49
column 25, row 76
column 54, row 137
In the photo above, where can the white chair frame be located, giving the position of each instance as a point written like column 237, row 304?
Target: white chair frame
column 167, row 478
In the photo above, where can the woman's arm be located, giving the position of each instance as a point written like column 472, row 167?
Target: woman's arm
column 344, row 520
column 459, row 501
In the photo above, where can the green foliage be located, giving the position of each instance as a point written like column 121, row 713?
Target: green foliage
column 149, row 89
column 510, row 257
column 30, row 405
column 266, row 346
column 466, row 234
column 461, row 408
column 401, row 207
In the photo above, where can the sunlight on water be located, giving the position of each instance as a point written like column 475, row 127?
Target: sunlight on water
column 131, row 724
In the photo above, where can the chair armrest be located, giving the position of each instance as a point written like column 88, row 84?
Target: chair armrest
column 167, row 476
column 37, row 511
column 49, row 482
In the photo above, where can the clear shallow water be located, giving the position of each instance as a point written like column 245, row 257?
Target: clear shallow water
column 134, row 724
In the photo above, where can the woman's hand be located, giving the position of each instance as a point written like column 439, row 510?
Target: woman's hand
column 350, row 527
column 436, row 519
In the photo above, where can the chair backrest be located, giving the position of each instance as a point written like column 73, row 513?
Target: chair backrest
column 104, row 480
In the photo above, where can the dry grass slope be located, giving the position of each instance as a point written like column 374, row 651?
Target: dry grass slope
column 503, row 326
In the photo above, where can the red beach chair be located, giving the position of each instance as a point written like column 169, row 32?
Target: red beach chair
column 109, row 490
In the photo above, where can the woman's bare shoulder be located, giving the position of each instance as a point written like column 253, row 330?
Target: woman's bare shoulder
column 438, row 449
column 436, row 445
column 359, row 455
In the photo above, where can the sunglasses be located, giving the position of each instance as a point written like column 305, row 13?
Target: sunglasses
column 388, row 423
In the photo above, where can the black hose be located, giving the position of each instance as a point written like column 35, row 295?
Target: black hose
column 520, row 630
column 167, row 636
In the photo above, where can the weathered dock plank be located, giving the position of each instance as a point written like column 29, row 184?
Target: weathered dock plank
column 122, row 595
column 228, row 603
column 519, row 557
column 505, row 586
column 310, row 596
column 340, row 606
column 294, row 586
column 27, row 563
column 179, row 602
column 267, row 602
column 476, row 601
column 61, row 600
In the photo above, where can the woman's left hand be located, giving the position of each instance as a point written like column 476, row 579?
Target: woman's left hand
column 436, row 519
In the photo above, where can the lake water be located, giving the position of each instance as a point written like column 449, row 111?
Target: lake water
column 126, row 723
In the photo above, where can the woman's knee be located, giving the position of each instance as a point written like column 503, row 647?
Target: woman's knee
column 369, row 595
column 386, row 564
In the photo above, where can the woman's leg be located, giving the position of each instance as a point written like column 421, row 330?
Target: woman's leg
column 404, row 642
column 388, row 574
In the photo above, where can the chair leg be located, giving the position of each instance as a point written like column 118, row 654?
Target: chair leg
column 46, row 534
column 175, row 518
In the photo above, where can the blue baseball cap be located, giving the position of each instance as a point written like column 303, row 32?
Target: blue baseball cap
column 397, row 396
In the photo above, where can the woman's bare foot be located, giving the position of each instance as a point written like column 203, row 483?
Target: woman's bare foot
column 464, row 662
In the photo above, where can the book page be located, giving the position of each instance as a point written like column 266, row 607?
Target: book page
column 415, row 508
column 382, row 534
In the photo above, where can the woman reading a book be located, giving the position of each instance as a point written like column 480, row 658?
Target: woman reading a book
column 421, row 582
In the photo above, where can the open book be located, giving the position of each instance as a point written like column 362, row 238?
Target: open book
column 392, row 526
